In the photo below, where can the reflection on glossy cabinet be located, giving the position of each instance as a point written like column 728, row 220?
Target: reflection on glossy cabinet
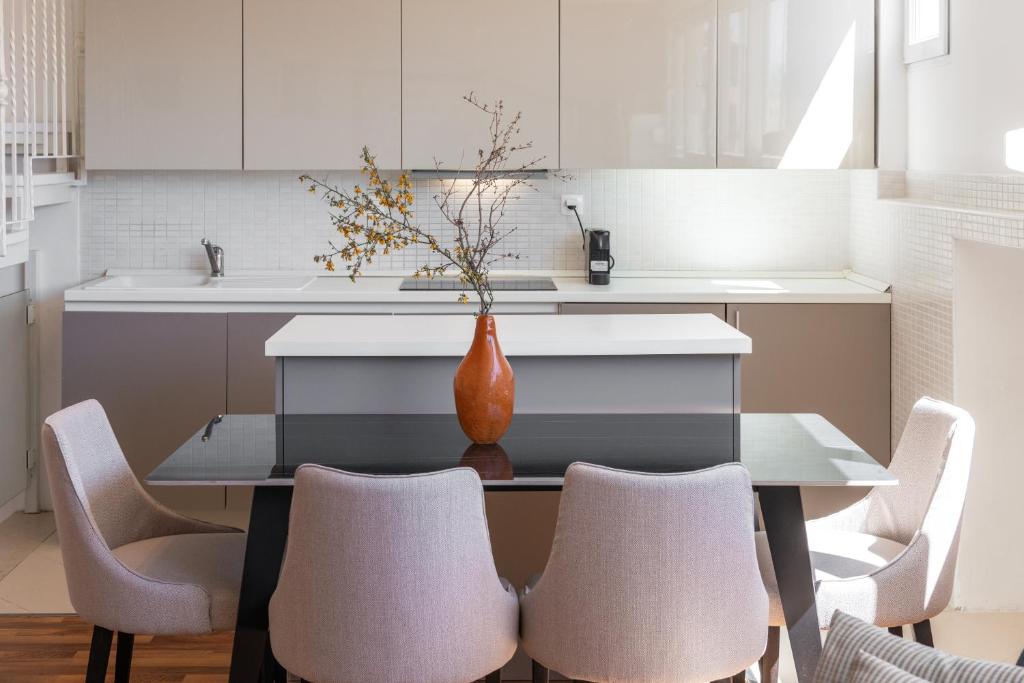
column 322, row 79
column 163, row 84
column 498, row 50
column 796, row 84
column 638, row 84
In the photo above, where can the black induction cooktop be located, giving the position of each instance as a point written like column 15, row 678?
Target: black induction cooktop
column 500, row 284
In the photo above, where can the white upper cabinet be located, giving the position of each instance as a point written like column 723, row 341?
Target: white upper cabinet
column 322, row 79
column 163, row 84
column 494, row 48
column 638, row 83
column 796, row 84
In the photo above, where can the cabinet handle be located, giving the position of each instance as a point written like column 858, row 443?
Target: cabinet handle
column 737, row 323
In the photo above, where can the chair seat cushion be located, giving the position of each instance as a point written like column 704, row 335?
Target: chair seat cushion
column 834, row 555
column 211, row 561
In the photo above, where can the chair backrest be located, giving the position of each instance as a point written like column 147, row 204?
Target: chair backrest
column 932, row 463
column 89, row 475
column 99, row 506
column 392, row 579
column 651, row 577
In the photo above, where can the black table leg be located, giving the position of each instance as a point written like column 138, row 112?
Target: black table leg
column 783, row 513
column 264, row 550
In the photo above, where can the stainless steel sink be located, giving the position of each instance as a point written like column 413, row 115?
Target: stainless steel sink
column 186, row 282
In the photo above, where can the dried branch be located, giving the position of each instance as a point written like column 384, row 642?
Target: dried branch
column 377, row 221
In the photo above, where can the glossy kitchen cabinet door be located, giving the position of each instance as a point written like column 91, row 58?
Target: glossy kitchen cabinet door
column 251, row 377
column 796, row 84
column 618, row 309
column 322, row 79
column 829, row 359
column 159, row 376
column 163, row 84
column 496, row 49
column 638, row 83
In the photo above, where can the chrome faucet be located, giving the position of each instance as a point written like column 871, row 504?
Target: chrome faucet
column 216, row 256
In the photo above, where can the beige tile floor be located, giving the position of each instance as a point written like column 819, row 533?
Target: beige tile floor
column 32, row 582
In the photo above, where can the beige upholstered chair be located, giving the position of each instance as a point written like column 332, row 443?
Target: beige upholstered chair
column 132, row 565
column 391, row 578
column 652, row 578
column 889, row 559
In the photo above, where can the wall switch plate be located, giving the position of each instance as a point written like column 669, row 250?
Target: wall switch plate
column 571, row 200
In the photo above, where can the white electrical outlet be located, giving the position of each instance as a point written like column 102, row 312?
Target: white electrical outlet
column 571, row 200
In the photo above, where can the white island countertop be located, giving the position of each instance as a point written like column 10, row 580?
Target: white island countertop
column 180, row 291
column 518, row 335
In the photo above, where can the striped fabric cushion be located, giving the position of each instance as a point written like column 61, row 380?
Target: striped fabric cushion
column 960, row 669
column 849, row 637
column 870, row 669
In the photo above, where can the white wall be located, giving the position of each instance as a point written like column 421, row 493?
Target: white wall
column 55, row 237
column 961, row 106
column 892, row 87
column 988, row 381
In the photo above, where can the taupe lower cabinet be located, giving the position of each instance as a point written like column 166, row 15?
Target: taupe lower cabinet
column 158, row 375
column 830, row 359
column 161, row 375
column 250, row 372
column 597, row 309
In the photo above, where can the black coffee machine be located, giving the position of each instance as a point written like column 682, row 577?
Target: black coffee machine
column 600, row 261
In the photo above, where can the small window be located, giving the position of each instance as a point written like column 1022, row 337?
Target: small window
column 927, row 33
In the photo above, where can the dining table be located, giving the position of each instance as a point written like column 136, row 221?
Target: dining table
column 783, row 452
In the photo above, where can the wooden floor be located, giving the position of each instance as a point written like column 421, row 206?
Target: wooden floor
column 54, row 649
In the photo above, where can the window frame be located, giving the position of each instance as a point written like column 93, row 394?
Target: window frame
column 926, row 49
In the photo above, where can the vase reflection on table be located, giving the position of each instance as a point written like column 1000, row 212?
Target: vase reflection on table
column 490, row 461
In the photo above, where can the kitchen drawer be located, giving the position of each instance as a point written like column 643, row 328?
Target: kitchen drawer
column 596, row 309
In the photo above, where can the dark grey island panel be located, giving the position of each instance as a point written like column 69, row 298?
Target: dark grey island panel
column 544, row 384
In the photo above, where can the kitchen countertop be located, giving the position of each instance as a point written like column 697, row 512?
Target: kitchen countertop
column 520, row 335
column 192, row 291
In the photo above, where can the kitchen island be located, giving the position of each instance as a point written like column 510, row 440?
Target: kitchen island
column 640, row 363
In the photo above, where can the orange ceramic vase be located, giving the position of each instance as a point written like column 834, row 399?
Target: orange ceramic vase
column 484, row 386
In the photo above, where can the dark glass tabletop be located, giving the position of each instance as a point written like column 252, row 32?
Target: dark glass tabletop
column 777, row 449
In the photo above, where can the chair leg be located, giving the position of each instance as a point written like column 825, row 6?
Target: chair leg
column 923, row 633
column 896, row 631
column 271, row 671
column 99, row 654
column 769, row 664
column 123, row 661
column 493, row 677
column 540, row 673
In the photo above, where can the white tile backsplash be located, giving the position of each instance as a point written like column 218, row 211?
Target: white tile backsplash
column 660, row 220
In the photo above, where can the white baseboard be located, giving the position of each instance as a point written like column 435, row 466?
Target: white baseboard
column 15, row 504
